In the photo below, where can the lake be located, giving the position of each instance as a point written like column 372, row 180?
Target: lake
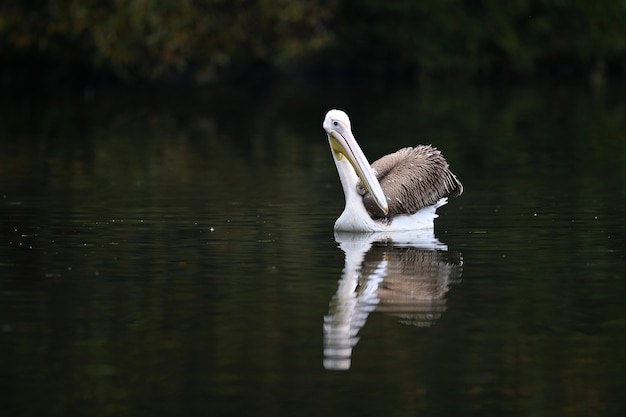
column 171, row 252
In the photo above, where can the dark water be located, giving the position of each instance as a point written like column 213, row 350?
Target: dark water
column 172, row 253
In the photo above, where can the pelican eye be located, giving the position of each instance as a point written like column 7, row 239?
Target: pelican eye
column 335, row 123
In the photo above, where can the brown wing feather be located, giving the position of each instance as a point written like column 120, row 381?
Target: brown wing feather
column 411, row 178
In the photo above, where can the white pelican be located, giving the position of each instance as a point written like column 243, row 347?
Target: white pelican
column 400, row 191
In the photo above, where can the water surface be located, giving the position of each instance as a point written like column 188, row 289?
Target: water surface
column 173, row 254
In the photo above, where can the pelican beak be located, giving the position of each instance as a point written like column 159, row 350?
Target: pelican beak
column 348, row 147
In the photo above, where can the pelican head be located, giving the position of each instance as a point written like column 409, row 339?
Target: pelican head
column 343, row 144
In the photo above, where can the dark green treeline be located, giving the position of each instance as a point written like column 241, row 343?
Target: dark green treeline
column 205, row 40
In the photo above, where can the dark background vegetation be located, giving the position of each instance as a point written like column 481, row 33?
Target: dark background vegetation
column 202, row 41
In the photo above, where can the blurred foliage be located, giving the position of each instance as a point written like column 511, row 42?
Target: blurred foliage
column 150, row 38
column 156, row 39
column 486, row 36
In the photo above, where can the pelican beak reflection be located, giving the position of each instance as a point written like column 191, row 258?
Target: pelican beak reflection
column 343, row 144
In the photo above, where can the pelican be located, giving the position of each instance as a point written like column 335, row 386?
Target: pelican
column 399, row 192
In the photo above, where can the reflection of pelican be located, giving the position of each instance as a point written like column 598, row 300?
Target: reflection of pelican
column 401, row 274
column 400, row 191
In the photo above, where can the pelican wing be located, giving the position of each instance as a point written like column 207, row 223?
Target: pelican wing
column 411, row 178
